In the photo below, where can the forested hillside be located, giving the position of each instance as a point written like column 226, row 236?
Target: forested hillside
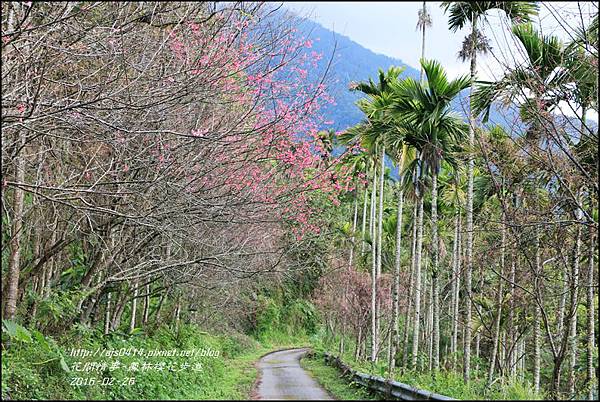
column 350, row 62
column 345, row 61
column 187, row 186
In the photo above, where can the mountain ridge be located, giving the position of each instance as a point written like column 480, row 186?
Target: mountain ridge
column 354, row 62
column 351, row 62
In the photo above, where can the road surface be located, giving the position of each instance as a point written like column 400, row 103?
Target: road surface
column 281, row 377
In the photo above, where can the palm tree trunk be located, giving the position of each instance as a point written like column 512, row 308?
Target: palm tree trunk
column 372, row 212
column 470, row 166
column 380, row 218
column 417, row 316
column 477, row 343
column 423, row 28
column 573, row 320
column 591, row 321
column 354, row 222
column 347, row 282
column 380, row 241
column 364, row 221
column 511, row 324
column 428, row 336
column 373, row 270
column 434, row 274
column 522, row 357
column 412, row 282
column 417, row 256
column 455, row 289
column 502, row 356
column 537, row 317
column 420, row 237
column 389, row 335
column 499, row 297
column 396, row 310
column 416, row 322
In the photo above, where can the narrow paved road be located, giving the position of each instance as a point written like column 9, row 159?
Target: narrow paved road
column 281, row 377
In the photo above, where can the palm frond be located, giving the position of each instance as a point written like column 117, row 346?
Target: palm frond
column 482, row 45
column 424, row 20
column 545, row 52
column 460, row 12
column 463, row 12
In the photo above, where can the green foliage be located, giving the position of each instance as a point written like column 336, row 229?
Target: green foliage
column 329, row 378
column 73, row 274
column 444, row 382
column 38, row 367
column 279, row 319
column 301, row 315
column 461, row 13
column 267, row 320
column 59, row 307
column 236, row 344
column 29, row 361
column 16, row 331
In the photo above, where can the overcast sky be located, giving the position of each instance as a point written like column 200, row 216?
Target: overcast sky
column 390, row 28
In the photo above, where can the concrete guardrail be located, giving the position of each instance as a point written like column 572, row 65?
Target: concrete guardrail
column 389, row 388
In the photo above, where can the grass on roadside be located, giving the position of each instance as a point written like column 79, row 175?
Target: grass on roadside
column 39, row 367
column 444, row 382
column 329, row 377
